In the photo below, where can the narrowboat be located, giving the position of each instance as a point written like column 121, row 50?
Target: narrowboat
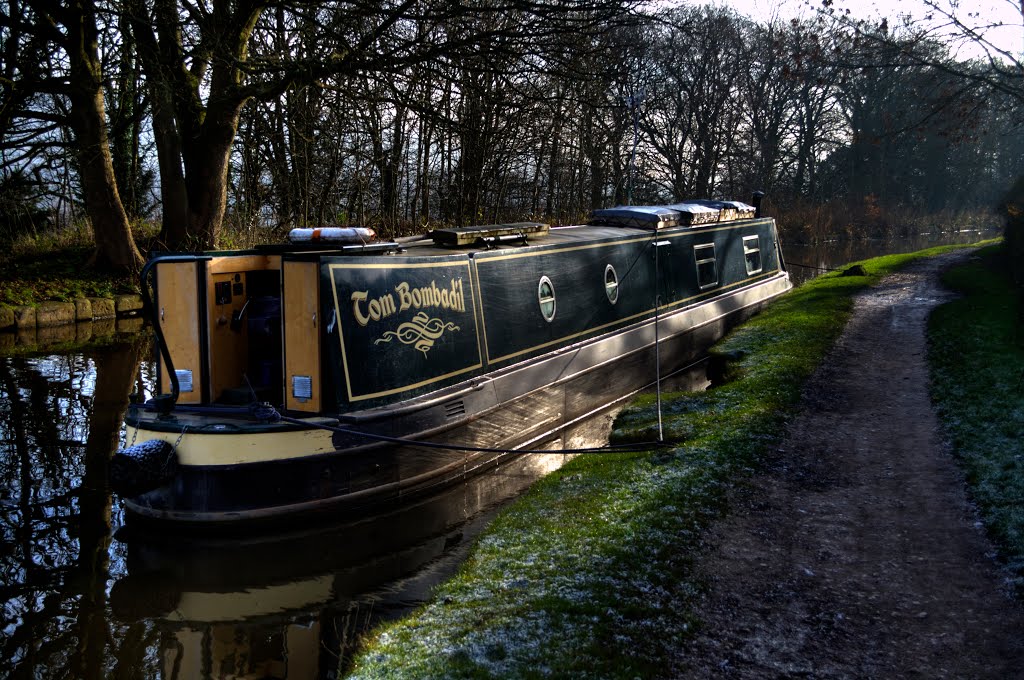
column 329, row 374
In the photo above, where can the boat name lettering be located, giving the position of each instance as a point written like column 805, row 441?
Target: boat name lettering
column 366, row 309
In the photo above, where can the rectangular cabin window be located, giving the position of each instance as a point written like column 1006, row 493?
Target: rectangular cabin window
column 752, row 254
column 707, row 270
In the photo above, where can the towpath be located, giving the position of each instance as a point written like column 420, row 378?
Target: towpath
column 857, row 554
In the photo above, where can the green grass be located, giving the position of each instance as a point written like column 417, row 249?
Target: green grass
column 588, row 575
column 56, row 267
column 976, row 350
column 62, row 277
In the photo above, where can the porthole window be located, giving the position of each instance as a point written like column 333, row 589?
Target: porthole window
column 611, row 284
column 707, row 269
column 546, row 298
column 752, row 254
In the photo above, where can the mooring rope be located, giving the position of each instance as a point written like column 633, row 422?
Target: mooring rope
column 641, row 447
column 808, row 266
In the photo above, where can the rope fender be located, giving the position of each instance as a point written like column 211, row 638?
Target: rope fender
column 142, row 467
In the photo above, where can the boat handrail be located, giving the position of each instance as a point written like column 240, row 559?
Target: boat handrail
column 326, row 248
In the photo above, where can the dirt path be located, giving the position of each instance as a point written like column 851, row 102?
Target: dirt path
column 857, row 555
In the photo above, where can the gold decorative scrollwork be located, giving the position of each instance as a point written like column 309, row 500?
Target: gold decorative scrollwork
column 421, row 332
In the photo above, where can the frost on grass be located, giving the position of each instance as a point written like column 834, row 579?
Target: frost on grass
column 584, row 578
column 552, row 592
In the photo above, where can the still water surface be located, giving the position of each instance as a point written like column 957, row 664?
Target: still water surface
column 805, row 261
column 83, row 598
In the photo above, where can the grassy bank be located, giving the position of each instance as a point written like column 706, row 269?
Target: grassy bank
column 56, row 267
column 588, row 575
column 976, row 349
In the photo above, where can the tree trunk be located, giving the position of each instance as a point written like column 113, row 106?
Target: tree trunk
column 425, row 144
column 115, row 246
column 173, row 195
column 553, row 160
column 194, row 142
column 206, row 169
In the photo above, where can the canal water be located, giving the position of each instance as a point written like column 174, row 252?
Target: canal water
column 805, row 261
column 85, row 598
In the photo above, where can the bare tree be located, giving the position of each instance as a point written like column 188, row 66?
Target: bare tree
column 999, row 70
column 200, row 74
column 200, row 58
column 770, row 88
column 691, row 84
column 955, row 25
column 819, row 128
column 42, row 26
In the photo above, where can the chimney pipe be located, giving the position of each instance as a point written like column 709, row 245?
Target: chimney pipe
column 756, row 201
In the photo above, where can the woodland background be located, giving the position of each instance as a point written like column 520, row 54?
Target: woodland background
column 221, row 123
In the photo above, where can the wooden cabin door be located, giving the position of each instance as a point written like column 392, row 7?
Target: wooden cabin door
column 299, row 310
column 178, row 309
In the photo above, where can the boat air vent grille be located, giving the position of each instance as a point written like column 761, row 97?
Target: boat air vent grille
column 302, row 387
column 453, row 409
column 184, row 380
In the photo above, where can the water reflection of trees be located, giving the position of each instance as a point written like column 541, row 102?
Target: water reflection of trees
column 77, row 605
column 807, row 260
column 60, row 418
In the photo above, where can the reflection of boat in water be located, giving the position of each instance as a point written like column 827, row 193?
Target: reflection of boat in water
column 397, row 369
column 289, row 605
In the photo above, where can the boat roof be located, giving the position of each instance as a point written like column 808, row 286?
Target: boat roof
column 552, row 236
column 608, row 223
